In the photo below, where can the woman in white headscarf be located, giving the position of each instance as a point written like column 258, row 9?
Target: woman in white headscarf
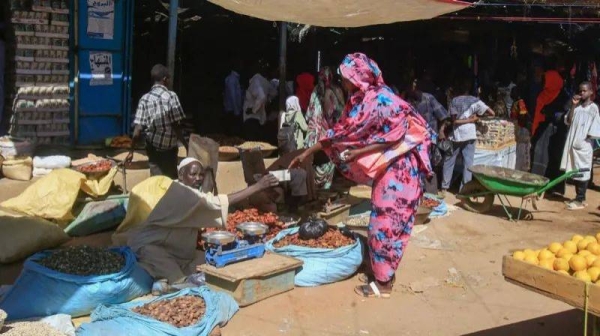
column 294, row 118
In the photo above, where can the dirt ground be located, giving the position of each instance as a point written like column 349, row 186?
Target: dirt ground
column 479, row 303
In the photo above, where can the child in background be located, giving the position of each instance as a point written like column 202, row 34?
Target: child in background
column 518, row 114
column 584, row 125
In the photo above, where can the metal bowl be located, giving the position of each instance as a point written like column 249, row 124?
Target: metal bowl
column 252, row 228
column 289, row 221
column 218, row 237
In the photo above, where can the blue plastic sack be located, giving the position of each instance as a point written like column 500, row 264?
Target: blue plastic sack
column 40, row 291
column 440, row 210
column 120, row 320
column 97, row 217
column 321, row 265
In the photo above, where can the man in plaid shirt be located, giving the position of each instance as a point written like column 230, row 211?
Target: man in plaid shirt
column 159, row 115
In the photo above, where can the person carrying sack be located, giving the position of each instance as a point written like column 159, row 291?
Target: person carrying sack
column 292, row 127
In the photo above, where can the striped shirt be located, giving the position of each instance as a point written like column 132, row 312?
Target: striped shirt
column 157, row 112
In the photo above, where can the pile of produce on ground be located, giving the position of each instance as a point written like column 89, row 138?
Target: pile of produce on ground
column 84, row 260
column 224, row 140
column 122, row 141
column 332, row 239
column 96, row 167
column 180, row 312
column 430, row 203
column 334, row 256
column 250, row 215
column 578, row 257
column 29, row 329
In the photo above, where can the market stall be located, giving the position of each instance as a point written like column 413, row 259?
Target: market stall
column 496, row 145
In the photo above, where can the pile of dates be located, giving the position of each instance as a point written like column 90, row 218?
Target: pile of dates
column 253, row 215
column 84, row 260
column 249, row 215
column 332, row 239
column 180, row 312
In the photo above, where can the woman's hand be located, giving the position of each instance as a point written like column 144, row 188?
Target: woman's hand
column 349, row 155
column 298, row 160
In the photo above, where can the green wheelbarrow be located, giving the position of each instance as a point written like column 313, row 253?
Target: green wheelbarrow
column 489, row 181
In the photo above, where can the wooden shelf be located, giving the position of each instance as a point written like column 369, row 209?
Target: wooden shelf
column 24, row 33
column 46, row 9
column 52, row 35
column 30, row 21
column 33, row 72
column 51, row 60
column 32, row 97
column 34, row 46
column 24, row 59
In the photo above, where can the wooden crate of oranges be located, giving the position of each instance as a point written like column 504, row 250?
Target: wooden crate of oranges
column 561, row 271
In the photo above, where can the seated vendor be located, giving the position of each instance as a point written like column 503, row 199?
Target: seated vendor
column 165, row 244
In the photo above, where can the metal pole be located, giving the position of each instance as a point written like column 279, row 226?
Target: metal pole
column 282, row 64
column 173, row 7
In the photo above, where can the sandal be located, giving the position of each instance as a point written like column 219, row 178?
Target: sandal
column 366, row 279
column 575, row 205
column 371, row 291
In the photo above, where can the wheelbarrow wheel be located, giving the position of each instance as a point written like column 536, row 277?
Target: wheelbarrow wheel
column 479, row 204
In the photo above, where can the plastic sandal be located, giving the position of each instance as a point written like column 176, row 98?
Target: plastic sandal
column 575, row 206
column 371, row 291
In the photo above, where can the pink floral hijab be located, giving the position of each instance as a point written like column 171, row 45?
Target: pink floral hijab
column 374, row 114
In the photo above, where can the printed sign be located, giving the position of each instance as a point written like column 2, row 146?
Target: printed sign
column 101, row 19
column 101, row 66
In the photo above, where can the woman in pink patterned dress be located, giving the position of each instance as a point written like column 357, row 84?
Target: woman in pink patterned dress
column 382, row 142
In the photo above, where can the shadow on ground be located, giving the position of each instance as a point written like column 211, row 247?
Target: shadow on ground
column 565, row 323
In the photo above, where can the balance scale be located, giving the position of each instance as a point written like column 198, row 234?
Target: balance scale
column 222, row 247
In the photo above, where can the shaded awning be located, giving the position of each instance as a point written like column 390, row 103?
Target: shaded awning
column 342, row 13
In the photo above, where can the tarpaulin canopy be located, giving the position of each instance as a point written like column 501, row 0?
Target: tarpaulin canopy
column 342, row 13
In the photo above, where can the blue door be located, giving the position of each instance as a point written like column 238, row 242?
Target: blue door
column 102, row 107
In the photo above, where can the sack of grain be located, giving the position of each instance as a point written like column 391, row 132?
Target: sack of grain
column 12, row 147
column 19, row 169
column 52, row 162
column 97, row 217
column 23, row 236
column 47, row 292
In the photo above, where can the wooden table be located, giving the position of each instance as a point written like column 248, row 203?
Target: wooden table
column 253, row 280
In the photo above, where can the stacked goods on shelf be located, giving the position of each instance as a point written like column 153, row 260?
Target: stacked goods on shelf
column 41, row 71
column 42, row 113
column 495, row 133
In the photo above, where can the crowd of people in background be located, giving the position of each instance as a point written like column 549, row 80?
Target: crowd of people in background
column 537, row 101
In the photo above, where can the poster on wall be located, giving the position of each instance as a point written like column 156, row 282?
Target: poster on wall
column 101, row 68
column 101, row 19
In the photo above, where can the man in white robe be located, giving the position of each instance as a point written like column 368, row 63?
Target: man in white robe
column 583, row 120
